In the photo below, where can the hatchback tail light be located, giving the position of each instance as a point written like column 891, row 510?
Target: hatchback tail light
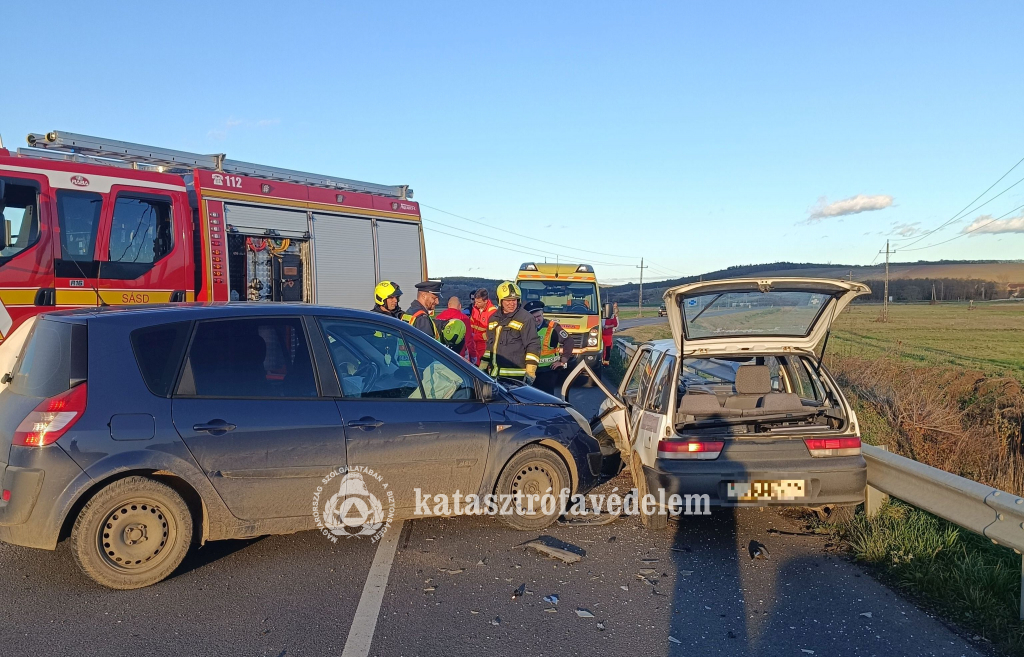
column 677, row 449
column 820, row 447
column 51, row 419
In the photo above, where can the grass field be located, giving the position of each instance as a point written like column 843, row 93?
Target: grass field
column 989, row 338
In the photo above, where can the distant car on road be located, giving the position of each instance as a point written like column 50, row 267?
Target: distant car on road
column 737, row 409
column 141, row 432
column 662, row 311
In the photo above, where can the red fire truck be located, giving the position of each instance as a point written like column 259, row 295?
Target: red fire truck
column 90, row 221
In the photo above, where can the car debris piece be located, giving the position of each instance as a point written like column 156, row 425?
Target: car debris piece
column 648, row 561
column 600, row 627
column 684, row 573
column 430, row 589
column 583, row 613
column 805, row 650
column 647, row 571
column 518, row 593
column 624, row 588
column 757, row 550
column 592, row 519
column 551, row 610
column 474, row 611
column 674, row 640
column 551, row 599
column 496, row 620
column 553, row 552
column 452, row 571
column 866, row 614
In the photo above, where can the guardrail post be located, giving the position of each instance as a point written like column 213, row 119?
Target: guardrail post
column 874, row 499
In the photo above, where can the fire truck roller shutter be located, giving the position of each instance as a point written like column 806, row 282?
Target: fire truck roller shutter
column 398, row 254
column 343, row 252
column 255, row 220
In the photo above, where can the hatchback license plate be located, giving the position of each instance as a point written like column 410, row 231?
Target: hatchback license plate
column 767, row 489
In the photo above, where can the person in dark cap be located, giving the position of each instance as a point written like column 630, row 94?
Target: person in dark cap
column 428, row 293
column 556, row 347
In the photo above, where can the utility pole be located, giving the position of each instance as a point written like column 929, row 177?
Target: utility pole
column 640, row 303
column 885, row 301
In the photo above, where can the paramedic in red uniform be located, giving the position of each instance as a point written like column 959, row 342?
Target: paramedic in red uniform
column 610, row 325
column 454, row 314
column 480, row 318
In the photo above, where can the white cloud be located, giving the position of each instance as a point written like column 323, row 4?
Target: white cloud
column 853, row 205
column 986, row 224
column 906, row 230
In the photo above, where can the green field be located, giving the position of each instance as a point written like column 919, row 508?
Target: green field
column 989, row 338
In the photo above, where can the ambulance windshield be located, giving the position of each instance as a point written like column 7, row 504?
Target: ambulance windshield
column 562, row 297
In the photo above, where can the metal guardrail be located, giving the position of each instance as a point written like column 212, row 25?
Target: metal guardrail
column 984, row 510
column 990, row 512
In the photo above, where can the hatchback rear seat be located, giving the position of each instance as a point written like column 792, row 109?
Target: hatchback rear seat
column 754, row 392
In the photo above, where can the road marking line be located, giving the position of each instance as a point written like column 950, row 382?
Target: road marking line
column 360, row 635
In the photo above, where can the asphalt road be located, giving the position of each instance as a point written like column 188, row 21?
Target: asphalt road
column 450, row 591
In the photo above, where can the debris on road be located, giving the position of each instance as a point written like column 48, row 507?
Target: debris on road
column 600, row 627
column 647, row 571
column 551, row 599
column 551, row 610
column 583, row 613
column 553, row 552
column 518, row 593
column 496, row 620
column 682, row 549
column 866, row 614
column 809, row 652
column 452, row 571
column 674, row 640
column 648, row 561
column 757, row 550
column 591, row 519
column 430, row 589
column 624, row 588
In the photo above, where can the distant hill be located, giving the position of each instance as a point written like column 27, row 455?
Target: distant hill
column 954, row 279
column 998, row 278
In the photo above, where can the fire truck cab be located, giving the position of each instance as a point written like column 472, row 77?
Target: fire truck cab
column 571, row 297
column 90, row 221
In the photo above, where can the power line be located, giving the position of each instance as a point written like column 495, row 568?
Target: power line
column 975, row 209
column 966, row 232
column 529, row 237
column 957, row 215
column 505, row 245
column 663, row 268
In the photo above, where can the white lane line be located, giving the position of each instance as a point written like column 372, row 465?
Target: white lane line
column 360, row 635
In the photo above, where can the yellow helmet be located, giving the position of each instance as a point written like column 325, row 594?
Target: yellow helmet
column 509, row 290
column 384, row 291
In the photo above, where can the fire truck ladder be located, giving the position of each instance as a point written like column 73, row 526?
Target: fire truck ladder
column 94, row 150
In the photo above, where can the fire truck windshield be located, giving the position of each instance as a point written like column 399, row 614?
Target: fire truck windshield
column 21, row 214
column 562, row 298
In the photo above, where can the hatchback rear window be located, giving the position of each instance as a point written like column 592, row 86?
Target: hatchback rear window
column 158, row 351
column 55, row 358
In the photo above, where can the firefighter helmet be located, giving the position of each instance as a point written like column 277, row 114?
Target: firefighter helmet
column 454, row 333
column 508, row 290
column 384, row 291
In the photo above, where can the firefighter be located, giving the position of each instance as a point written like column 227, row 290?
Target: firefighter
column 387, row 295
column 556, row 347
column 513, row 346
column 428, row 293
column 479, row 319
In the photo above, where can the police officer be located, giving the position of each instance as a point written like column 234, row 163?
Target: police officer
column 387, row 295
column 513, row 347
column 556, row 347
column 428, row 293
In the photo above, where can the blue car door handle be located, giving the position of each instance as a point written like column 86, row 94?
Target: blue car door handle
column 365, row 423
column 214, row 427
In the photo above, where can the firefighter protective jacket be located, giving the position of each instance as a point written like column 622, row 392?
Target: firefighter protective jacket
column 418, row 316
column 512, row 344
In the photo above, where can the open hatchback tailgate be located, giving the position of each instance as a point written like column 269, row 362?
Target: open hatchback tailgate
column 735, row 315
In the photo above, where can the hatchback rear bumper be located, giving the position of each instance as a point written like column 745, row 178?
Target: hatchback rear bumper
column 839, row 480
column 40, row 480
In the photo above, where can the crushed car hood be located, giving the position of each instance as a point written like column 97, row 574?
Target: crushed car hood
column 525, row 394
column 756, row 314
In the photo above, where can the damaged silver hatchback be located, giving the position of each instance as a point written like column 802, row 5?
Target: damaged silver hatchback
column 738, row 406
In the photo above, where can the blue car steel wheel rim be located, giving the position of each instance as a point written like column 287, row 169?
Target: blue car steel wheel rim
column 134, row 536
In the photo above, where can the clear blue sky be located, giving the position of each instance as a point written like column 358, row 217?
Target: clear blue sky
column 698, row 136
